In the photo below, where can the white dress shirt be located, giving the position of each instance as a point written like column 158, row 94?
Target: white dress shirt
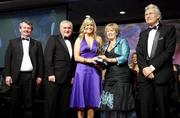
column 26, row 64
column 68, row 44
column 151, row 37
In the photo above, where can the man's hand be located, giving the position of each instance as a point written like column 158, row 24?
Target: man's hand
column 150, row 76
column 51, row 78
column 147, row 71
column 8, row 80
column 72, row 80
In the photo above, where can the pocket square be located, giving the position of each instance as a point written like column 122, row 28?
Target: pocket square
column 161, row 38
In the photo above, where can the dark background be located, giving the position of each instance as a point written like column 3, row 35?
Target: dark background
column 45, row 23
column 102, row 11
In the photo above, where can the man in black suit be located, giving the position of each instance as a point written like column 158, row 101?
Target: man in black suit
column 60, row 66
column 155, row 50
column 23, row 69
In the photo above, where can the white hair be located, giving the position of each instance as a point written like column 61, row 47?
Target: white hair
column 156, row 8
column 66, row 21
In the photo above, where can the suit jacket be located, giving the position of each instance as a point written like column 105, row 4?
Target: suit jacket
column 57, row 59
column 162, row 58
column 14, row 56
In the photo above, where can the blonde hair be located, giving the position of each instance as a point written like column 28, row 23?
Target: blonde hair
column 156, row 8
column 113, row 26
column 86, row 22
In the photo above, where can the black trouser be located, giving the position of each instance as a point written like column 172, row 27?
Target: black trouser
column 154, row 97
column 21, row 96
column 57, row 97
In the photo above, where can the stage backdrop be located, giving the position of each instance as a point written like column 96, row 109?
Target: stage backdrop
column 131, row 33
column 45, row 23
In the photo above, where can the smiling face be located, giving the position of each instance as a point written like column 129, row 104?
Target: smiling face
column 152, row 15
column 25, row 30
column 134, row 58
column 89, row 28
column 66, row 29
column 111, row 33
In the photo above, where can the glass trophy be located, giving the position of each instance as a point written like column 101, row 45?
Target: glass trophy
column 101, row 62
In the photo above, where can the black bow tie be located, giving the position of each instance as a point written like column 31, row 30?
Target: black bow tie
column 27, row 39
column 66, row 38
column 155, row 27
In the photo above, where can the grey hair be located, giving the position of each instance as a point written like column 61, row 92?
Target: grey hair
column 156, row 8
column 66, row 21
column 27, row 22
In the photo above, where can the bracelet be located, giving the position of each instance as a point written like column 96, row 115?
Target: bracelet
column 85, row 60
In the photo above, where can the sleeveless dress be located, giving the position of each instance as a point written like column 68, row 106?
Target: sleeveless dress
column 87, row 80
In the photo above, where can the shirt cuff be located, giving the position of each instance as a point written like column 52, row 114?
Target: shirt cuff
column 152, row 67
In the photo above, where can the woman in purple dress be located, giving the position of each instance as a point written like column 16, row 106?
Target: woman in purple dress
column 87, row 80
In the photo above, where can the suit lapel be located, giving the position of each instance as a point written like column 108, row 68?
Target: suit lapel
column 64, row 44
column 19, row 42
column 146, row 42
column 31, row 44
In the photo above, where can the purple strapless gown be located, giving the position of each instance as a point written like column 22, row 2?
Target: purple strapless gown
column 87, row 80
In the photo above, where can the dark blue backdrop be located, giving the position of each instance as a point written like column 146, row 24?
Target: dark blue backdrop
column 45, row 23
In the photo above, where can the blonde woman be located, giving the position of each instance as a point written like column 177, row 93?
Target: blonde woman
column 87, row 80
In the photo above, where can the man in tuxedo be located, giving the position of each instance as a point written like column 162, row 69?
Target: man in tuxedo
column 60, row 67
column 155, row 50
column 23, row 69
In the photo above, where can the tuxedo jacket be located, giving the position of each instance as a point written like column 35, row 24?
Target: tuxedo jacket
column 57, row 59
column 14, row 56
column 163, row 53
